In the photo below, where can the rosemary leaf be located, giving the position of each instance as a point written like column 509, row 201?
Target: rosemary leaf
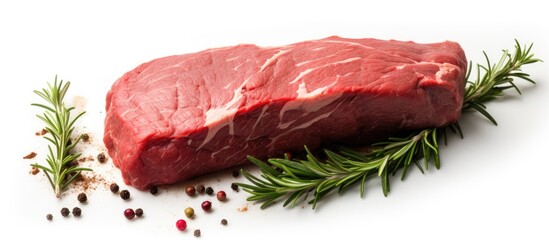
column 60, row 126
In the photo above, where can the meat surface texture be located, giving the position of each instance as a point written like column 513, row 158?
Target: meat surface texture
column 181, row 116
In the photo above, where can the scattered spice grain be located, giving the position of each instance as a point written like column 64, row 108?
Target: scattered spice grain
column 49, row 217
column 139, row 212
column 114, row 188
column 153, row 190
column 209, row 190
column 34, row 170
column 221, row 196
column 125, row 194
column 31, row 155
column 76, row 211
column 200, row 188
column 196, row 233
column 101, row 157
column 65, row 212
column 189, row 212
column 206, row 206
column 224, row 221
column 85, row 137
column 129, row 213
column 234, row 187
column 190, row 190
column 181, row 225
column 236, row 173
column 41, row 132
column 82, row 198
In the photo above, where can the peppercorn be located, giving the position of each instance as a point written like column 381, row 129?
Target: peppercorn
column 236, row 173
column 234, row 187
column 76, row 211
column 221, row 196
column 200, row 188
column 129, row 213
column 189, row 212
column 223, row 221
column 206, row 206
column 82, row 198
column 209, row 190
column 65, row 212
column 197, row 233
column 190, row 190
column 139, row 212
column 114, row 188
column 153, row 190
column 101, row 157
column 49, row 217
column 125, row 194
column 181, row 225
column 85, row 137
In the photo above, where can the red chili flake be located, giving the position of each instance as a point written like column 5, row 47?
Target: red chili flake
column 30, row 155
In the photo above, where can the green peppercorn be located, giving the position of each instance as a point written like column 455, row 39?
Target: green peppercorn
column 189, row 212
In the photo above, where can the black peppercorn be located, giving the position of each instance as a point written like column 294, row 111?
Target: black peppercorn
column 223, row 221
column 76, row 212
column 114, row 188
column 197, row 233
column 49, row 217
column 65, row 212
column 101, row 157
column 153, row 190
column 209, row 190
column 139, row 212
column 236, row 173
column 125, row 194
column 82, row 198
column 234, row 187
column 85, row 137
column 200, row 188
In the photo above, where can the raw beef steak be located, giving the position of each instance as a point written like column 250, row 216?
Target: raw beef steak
column 181, row 116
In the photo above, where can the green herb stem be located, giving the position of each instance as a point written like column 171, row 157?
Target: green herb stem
column 59, row 169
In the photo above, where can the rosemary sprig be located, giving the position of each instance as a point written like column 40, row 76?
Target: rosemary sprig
column 57, row 117
column 295, row 179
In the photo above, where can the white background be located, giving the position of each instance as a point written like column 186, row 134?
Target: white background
column 492, row 184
